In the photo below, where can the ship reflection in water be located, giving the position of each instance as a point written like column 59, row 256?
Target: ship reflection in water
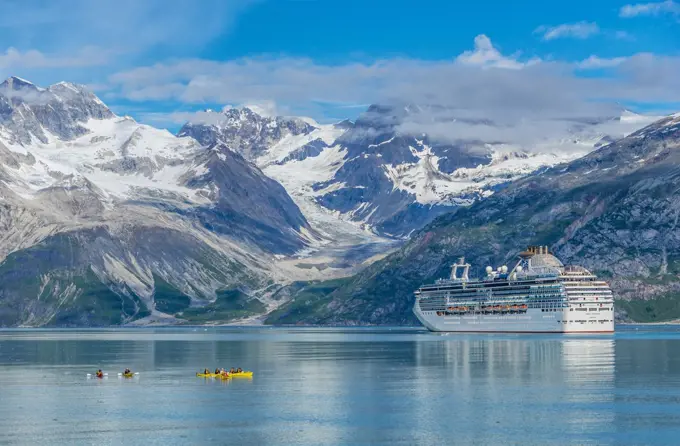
column 546, row 391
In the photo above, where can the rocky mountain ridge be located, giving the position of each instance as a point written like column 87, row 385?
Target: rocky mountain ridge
column 380, row 174
column 99, row 214
column 615, row 211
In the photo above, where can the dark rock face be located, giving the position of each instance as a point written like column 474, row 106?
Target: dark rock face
column 61, row 109
column 245, row 131
column 248, row 204
column 63, row 281
column 374, row 144
column 614, row 211
column 309, row 150
column 147, row 224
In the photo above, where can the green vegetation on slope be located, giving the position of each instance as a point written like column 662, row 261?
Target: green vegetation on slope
column 98, row 305
column 229, row 305
column 661, row 309
column 309, row 302
column 169, row 299
column 49, row 284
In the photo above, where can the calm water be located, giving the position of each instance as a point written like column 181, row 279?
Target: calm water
column 340, row 386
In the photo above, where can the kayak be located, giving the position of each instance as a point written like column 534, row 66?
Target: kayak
column 127, row 375
column 225, row 375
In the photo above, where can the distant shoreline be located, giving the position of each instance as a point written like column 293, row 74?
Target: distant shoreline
column 673, row 322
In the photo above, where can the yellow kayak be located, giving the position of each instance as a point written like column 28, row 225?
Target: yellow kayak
column 225, row 375
column 128, row 375
column 208, row 375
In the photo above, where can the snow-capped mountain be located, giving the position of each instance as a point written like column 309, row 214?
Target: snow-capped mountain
column 30, row 113
column 99, row 212
column 107, row 221
column 299, row 153
column 381, row 175
column 614, row 211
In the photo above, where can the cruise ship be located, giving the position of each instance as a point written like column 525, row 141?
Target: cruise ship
column 539, row 295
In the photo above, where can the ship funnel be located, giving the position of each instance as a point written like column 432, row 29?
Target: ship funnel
column 461, row 264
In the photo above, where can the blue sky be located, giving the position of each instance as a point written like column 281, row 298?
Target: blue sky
column 159, row 61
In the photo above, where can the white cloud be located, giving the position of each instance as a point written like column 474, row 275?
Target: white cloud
column 489, row 94
column 264, row 108
column 524, row 87
column 207, row 117
column 536, row 134
column 579, row 30
column 594, row 62
column 482, row 94
column 654, row 8
column 486, row 55
column 89, row 56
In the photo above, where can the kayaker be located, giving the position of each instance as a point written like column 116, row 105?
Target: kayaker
column 231, row 370
column 217, row 371
column 206, row 372
column 127, row 372
column 100, row 373
column 239, row 370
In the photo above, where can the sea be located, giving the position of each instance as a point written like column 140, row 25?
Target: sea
column 339, row 386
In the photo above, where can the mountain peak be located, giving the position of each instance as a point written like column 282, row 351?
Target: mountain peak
column 344, row 124
column 61, row 109
column 77, row 88
column 17, row 83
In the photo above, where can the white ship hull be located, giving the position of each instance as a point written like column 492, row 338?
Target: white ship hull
column 533, row 321
column 539, row 295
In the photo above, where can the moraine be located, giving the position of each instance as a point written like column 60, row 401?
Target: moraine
column 540, row 294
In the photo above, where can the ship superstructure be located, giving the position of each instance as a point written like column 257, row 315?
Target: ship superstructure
column 539, row 294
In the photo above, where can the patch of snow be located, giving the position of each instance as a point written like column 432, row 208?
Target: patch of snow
column 288, row 144
column 106, row 141
column 23, row 80
column 337, row 232
column 382, row 143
